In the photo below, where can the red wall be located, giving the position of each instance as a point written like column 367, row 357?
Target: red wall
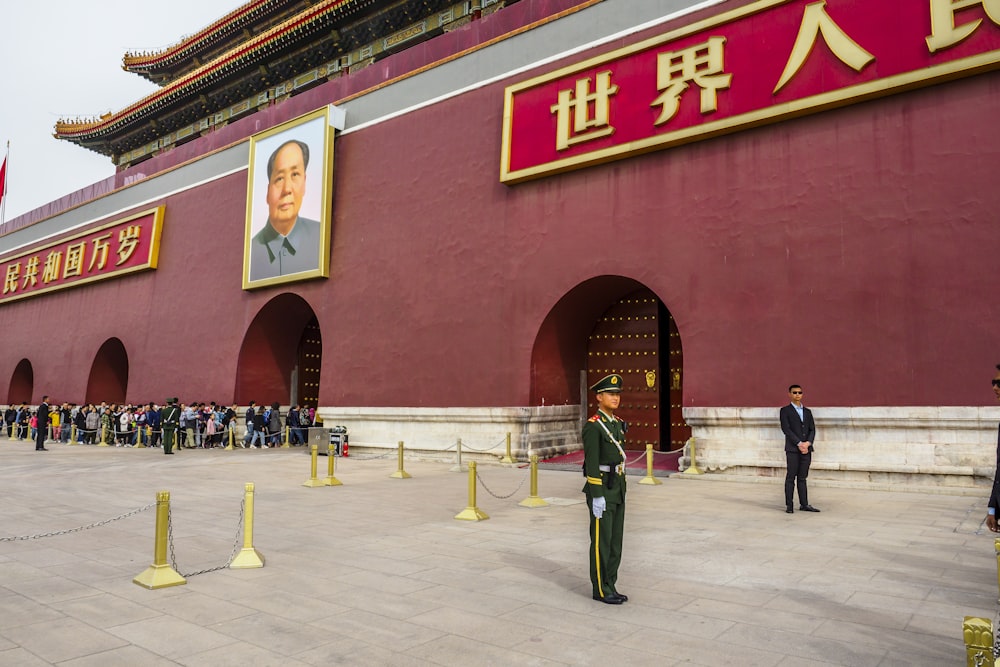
column 851, row 252
column 848, row 251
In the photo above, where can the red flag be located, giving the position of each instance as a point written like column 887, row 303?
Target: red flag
column 3, row 179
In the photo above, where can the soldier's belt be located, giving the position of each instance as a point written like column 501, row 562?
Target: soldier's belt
column 620, row 468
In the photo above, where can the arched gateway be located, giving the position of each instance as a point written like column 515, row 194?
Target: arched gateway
column 613, row 324
column 22, row 383
column 108, row 380
column 281, row 355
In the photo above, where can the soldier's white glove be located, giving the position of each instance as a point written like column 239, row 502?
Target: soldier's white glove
column 598, row 506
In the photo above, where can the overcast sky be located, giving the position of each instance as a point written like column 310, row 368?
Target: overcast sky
column 63, row 59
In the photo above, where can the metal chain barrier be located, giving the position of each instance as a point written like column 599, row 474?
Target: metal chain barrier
column 640, row 457
column 673, row 452
column 173, row 557
column 39, row 536
column 996, row 638
column 466, row 447
column 520, row 484
column 391, row 452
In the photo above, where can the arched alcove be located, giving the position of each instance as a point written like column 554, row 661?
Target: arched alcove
column 281, row 353
column 108, row 379
column 560, row 350
column 22, row 383
column 613, row 324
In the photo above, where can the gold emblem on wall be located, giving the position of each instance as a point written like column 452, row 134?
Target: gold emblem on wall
column 650, row 379
column 677, row 380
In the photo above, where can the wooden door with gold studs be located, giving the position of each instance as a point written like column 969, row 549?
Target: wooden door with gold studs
column 637, row 338
column 672, row 411
column 309, row 364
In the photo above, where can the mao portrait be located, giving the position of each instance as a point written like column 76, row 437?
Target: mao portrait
column 288, row 203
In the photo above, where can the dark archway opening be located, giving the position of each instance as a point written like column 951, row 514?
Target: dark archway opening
column 281, row 355
column 560, row 351
column 22, row 383
column 108, row 379
column 613, row 324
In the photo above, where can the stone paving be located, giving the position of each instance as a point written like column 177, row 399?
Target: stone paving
column 378, row 571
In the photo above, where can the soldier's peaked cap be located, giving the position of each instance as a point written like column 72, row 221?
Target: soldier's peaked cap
column 611, row 383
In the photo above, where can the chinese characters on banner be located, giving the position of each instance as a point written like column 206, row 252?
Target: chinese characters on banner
column 114, row 249
column 758, row 64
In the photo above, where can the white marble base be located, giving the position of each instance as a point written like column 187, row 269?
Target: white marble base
column 914, row 446
column 433, row 432
column 863, row 446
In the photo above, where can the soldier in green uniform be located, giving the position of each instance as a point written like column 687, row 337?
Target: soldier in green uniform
column 604, row 467
column 170, row 419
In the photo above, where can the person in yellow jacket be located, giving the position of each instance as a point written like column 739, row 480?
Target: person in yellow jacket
column 55, row 421
column 604, row 468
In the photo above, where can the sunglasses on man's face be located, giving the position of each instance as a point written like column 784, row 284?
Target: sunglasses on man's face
column 799, row 392
column 996, row 383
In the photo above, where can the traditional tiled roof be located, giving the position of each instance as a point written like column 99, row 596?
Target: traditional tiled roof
column 246, row 53
column 183, row 49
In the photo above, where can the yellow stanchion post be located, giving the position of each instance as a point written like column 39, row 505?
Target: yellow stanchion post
column 313, row 480
column 533, row 500
column 103, row 442
column 160, row 574
column 330, row 479
column 472, row 513
column 400, row 474
column 507, row 458
column 978, row 635
column 996, row 548
column 140, row 443
column 229, row 447
column 649, row 479
column 248, row 557
column 72, row 435
column 693, row 468
column 458, row 467
column 286, row 444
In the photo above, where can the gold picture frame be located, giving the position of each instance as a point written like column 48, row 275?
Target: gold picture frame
column 289, row 202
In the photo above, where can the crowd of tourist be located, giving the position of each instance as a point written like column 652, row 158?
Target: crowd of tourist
column 125, row 425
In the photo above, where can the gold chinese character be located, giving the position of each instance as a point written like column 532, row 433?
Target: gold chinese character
column 10, row 280
column 30, row 272
column 944, row 32
column 53, row 261
column 582, row 127
column 816, row 22
column 702, row 64
column 74, row 259
column 128, row 239
column 99, row 256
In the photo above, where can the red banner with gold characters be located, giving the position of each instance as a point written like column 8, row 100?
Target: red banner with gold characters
column 757, row 64
column 109, row 251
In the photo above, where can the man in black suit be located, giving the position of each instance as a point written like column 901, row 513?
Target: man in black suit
column 991, row 518
column 800, row 430
column 43, row 425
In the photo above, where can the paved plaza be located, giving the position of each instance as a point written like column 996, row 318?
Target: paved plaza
column 378, row 571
